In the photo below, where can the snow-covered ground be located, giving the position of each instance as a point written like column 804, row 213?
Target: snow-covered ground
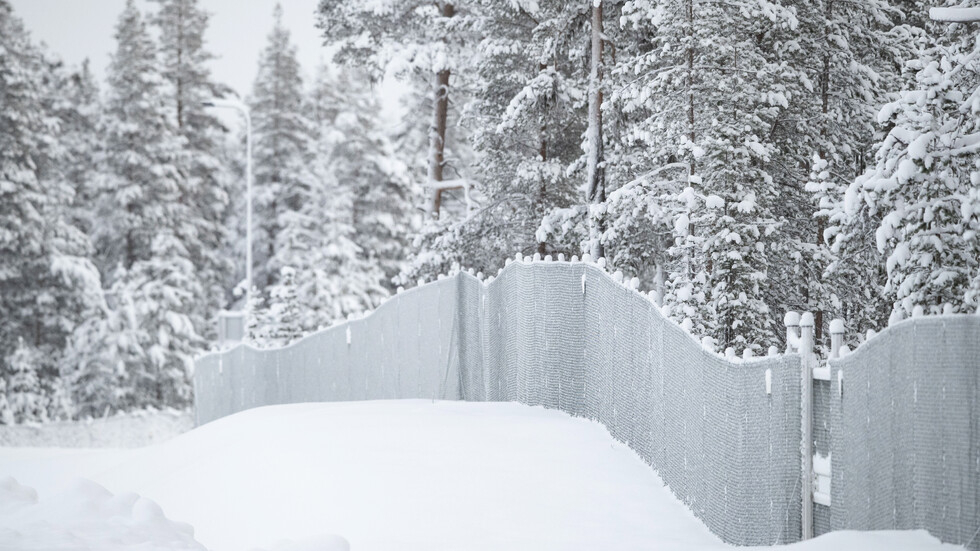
column 383, row 475
column 128, row 430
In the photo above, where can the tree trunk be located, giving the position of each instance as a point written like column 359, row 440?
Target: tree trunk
column 543, row 154
column 596, row 173
column 821, row 223
column 437, row 134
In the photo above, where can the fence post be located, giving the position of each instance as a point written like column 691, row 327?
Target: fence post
column 836, row 337
column 806, row 420
column 792, row 321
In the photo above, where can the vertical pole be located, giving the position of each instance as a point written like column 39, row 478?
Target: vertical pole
column 806, row 420
column 596, row 178
column 836, row 338
column 792, row 322
column 248, row 211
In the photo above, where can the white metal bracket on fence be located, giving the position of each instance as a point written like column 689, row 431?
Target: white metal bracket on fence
column 821, row 373
column 821, row 479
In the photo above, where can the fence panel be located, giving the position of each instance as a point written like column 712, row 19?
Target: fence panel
column 909, row 455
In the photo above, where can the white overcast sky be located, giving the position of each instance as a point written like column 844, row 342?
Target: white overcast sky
column 79, row 29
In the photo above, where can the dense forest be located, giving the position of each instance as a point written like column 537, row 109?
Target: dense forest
column 740, row 159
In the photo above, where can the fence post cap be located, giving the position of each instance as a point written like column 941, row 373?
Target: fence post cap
column 791, row 319
column 773, row 351
column 806, row 320
column 837, row 326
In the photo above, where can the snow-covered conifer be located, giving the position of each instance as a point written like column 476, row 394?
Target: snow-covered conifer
column 923, row 184
column 46, row 278
column 206, row 182
column 26, row 401
column 353, row 152
column 283, row 137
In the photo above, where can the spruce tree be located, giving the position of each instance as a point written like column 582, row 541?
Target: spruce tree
column 283, row 139
column 46, row 279
column 353, row 152
column 206, row 184
column 146, row 349
column 25, row 398
column 923, row 184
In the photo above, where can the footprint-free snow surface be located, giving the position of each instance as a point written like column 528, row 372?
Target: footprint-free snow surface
column 405, row 475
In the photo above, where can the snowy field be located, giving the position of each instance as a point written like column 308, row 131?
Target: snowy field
column 130, row 430
column 405, row 475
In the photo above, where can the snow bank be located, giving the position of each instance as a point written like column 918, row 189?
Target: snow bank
column 87, row 516
column 406, row 475
column 128, row 430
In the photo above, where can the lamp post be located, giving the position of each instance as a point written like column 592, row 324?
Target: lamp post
column 239, row 106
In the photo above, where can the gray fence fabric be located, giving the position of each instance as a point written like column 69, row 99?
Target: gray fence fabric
column 566, row 336
column 906, row 431
column 403, row 350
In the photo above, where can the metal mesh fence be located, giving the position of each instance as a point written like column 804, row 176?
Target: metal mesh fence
column 905, row 427
column 904, row 435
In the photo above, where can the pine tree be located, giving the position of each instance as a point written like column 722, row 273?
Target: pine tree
column 923, row 184
column 143, row 347
column 426, row 39
column 701, row 97
column 283, row 137
column 206, row 183
column 77, row 106
column 101, row 353
column 141, row 185
column 25, row 398
column 163, row 290
column 46, row 280
column 527, row 118
column 354, row 152
column 847, row 56
column 283, row 322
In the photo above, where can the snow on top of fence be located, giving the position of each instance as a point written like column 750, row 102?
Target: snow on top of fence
column 598, row 268
column 707, row 344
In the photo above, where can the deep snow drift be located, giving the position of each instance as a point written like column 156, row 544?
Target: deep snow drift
column 401, row 475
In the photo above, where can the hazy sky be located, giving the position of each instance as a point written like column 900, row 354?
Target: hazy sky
column 76, row 29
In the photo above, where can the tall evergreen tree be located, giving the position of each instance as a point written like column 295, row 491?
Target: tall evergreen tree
column 427, row 38
column 154, row 280
column 702, row 96
column 205, row 187
column 354, row 151
column 47, row 282
column 526, row 120
column 283, row 138
column 922, row 188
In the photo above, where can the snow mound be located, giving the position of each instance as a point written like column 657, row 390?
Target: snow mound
column 87, row 516
column 406, row 475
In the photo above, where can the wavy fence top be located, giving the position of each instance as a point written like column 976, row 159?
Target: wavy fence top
column 596, row 269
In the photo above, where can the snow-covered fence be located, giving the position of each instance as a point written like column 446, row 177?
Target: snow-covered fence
column 905, row 430
column 402, row 350
column 724, row 433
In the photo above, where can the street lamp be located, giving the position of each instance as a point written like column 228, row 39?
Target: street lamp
column 239, row 106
